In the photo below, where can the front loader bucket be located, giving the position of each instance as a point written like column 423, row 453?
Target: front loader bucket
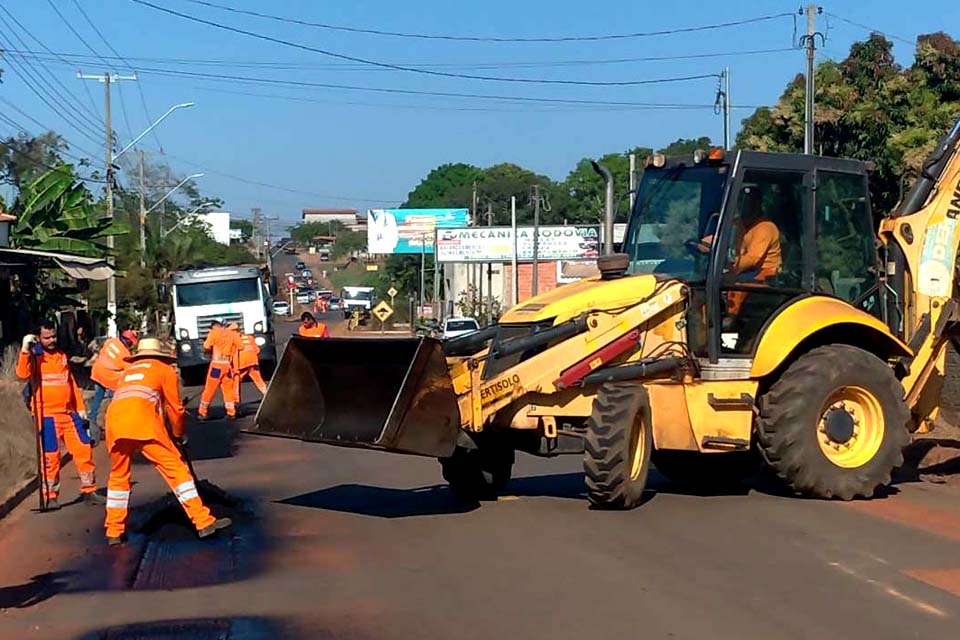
column 376, row 393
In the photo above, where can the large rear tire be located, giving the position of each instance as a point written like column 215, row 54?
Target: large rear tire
column 480, row 473
column 617, row 446
column 834, row 424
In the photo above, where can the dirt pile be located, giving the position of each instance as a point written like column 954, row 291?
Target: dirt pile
column 17, row 446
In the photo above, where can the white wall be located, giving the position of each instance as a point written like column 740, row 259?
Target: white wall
column 218, row 222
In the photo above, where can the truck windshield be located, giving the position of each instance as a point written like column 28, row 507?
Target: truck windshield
column 359, row 295
column 676, row 208
column 223, row 292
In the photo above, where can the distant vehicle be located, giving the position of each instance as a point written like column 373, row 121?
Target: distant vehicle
column 335, row 303
column 305, row 295
column 307, row 274
column 357, row 299
column 324, row 293
column 453, row 327
column 281, row 308
column 300, row 266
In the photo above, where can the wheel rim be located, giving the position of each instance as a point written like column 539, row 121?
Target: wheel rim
column 851, row 427
column 637, row 448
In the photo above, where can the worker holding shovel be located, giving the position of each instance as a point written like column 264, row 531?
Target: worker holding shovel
column 58, row 409
column 147, row 395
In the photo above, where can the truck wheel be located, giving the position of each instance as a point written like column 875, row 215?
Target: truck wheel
column 617, row 446
column 705, row 472
column 834, row 424
column 481, row 473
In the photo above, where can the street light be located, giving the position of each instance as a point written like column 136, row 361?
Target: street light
column 164, row 234
column 112, row 157
column 143, row 214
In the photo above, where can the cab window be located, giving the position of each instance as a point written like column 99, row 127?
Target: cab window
column 846, row 250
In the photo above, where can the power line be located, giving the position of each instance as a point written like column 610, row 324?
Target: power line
column 429, row 72
column 143, row 100
column 41, row 125
column 39, row 163
column 92, row 113
column 335, row 66
column 424, row 36
column 871, row 29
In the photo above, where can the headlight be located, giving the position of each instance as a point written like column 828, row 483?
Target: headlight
column 185, row 347
column 258, row 328
column 260, row 341
column 184, row 334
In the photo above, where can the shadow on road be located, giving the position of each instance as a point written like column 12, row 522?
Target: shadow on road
column 194, row 629
column 930, row 459
column 40, row 588
column 383, row 502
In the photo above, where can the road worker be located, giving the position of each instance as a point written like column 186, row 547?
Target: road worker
column 223, row 343
column 147, row 394
column 310, row 328
column 108, row 366
column 248, row 365
column 57, row 401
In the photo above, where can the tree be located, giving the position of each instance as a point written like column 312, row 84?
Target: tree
column 449, row 185
column 686, row 146
column 24, row 157
column 586, row 189
column 245, row 227
column 870, row 108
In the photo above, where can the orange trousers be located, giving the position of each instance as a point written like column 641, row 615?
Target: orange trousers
column 219, row 377
column 254, row 374
column 68, row 428
column 166, row 459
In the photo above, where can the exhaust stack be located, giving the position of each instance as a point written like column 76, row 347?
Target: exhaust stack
column 607, row 206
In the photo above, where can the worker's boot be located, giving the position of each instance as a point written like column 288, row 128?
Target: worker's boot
column 219, row 523
column 53, row 504
column 94, row 499
column 116, row 541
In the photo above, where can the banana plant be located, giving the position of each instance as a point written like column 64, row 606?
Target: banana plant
column 56, row 212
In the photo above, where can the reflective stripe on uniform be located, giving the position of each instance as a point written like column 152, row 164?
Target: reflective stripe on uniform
column 54, row 379
column 186, row 491
column 117, row 499
column 137, row 391
column 87, row 479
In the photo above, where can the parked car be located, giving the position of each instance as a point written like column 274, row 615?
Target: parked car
column 300, row 266
column 453, row 327
column 335, row 304
column 281, row 308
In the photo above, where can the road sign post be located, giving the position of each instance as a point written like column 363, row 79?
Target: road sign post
column 382, row 311
column 392, row 292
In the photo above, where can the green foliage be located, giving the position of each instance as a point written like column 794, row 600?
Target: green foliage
column 245, row 226
column 449, row 185
column 55, row 212
column 871, row 108
column 25, row 157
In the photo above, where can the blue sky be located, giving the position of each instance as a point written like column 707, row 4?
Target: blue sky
column 352, row 148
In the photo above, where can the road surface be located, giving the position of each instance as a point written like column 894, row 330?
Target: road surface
column 340, row 543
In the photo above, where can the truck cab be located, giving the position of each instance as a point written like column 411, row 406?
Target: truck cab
column 228, row 294
column 357, row 299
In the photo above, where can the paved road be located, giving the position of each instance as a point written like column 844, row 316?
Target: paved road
column 339, row 543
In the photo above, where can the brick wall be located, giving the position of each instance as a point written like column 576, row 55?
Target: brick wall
column 547, row 280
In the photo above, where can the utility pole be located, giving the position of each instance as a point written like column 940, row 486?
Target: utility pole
column 106, row 79
column 633, row 181
column 513, row 259
column 809, row 41
column 725, row 93
column 473, row 271
column 489, row 310
column 534, row 283
column 256, row 229
column 143, row 216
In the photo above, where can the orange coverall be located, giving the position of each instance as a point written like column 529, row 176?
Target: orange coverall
column 109, row 366
column 248, row 364
column 135, row 422
column 759, row 252
column 224, row 343
column 318, row 330
column 59, row 400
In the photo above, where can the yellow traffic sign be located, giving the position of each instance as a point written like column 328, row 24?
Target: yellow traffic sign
column 382, row 311
column 391, row 292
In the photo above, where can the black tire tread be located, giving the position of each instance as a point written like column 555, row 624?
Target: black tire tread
column 606, row 456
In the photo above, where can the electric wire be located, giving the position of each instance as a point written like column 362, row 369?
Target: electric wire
column 429, row 72
column 424, row 36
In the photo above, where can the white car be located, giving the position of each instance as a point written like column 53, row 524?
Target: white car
column 281, row 308
column 305, row 296
column 454, row 327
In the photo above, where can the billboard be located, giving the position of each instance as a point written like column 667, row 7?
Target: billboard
column 495, row 244
column 409, row 230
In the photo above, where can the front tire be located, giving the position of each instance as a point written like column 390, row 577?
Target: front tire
column 834, row 424
column 617, row 446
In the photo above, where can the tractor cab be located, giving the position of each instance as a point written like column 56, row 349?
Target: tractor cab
column 750, row 233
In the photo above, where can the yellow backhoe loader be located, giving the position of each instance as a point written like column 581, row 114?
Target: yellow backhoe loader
column 758, row 308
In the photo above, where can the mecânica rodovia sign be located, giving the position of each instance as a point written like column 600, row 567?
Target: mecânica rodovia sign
column 495, row 244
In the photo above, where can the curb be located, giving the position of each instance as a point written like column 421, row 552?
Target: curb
column 21, row 493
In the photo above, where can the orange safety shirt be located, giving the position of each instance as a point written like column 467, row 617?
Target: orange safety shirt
column 109, row 365
column 760, row 249
column 148, row 391
column 59, row 391
column 249, row 355
column 318, row 330
column 224, row 343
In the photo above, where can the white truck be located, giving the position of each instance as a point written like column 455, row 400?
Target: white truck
column 357, row 299
column 228, row 294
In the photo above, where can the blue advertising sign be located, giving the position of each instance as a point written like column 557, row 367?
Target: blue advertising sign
column 409, row 230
